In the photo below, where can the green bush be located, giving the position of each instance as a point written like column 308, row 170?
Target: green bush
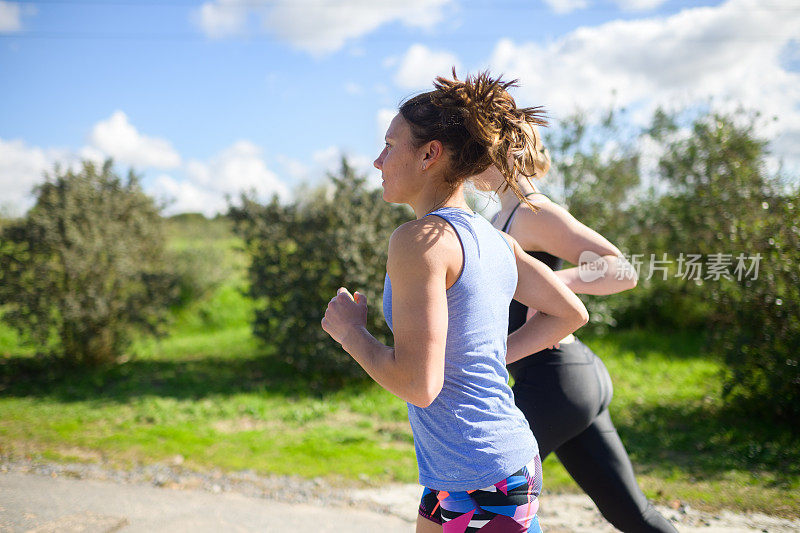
column 714, row 195
column 199, row 255
column 84, row 270
column 196, row 272
column 302, row 253
column 722, row 200
column 757, row 331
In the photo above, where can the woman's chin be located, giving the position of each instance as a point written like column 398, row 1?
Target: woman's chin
column 388, row 197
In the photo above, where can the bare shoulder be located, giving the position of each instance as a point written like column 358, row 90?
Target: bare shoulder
column 546, row 209
column 427, row 240
column 512, row 242
column 554, row 230
column 517, row 250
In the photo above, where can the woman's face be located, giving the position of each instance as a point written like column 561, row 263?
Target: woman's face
column 400, row 163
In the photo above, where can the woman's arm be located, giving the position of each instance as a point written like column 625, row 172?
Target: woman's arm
column 560, row 311
column 601, row 270
column 421, row 258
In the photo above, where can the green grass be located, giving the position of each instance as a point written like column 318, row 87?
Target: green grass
column 209, row 392
column 214, row 395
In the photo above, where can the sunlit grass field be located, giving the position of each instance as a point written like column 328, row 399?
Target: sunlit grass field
column 212, row 394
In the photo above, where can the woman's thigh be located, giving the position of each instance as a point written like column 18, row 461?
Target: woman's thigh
column 427, row 526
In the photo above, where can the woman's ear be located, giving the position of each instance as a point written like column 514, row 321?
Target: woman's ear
column 434, row 152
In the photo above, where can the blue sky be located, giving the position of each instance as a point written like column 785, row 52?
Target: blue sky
column 206, row 98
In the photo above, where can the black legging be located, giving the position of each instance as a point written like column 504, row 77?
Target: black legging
column 564, row 393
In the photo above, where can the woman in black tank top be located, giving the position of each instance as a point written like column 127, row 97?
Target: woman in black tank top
column 564, row 391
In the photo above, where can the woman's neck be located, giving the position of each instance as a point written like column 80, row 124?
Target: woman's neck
column 436, row 198
column 508, row 200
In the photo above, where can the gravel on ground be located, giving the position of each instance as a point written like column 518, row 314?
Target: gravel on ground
column 39, row 496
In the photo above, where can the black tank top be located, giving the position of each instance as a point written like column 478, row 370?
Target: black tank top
column 517, row 312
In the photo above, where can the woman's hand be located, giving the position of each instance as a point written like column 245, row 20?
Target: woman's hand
column 345, row 314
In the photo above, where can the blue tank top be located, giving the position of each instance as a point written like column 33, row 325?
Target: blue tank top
column 472, row 435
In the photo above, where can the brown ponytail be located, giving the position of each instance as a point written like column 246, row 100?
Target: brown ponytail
column 481, row 125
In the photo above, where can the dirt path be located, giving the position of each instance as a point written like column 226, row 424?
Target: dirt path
column 576, row 513
column 70, row 498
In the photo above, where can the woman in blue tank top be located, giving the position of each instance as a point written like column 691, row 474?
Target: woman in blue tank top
column 450, row 278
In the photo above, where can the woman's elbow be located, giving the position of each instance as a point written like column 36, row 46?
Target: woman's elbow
column 425, row 393
column 421, row 402
column 581, row 315
column 584, row 318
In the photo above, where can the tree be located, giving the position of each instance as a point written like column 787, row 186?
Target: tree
column 757, row 328
column 723, row 206
column 716, row 203
column 595, row 175
column 302, row 253
column 595, row 170
column 84, row 270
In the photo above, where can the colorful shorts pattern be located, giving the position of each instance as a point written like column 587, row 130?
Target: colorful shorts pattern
column 509, row 506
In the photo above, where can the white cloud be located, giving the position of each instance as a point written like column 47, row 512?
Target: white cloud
column 330, row 160
column 92, row 154
column 295, row 169
column 563, row 7
column 196, row 186
column 785, row 149
column 730, row 52
column 566, row 6
column 638, row 5
column 205, row 186
column 327, row 26
column 319, row 29
column 10, row 17
column 12, row 13
column 420, row 65
column 222, row 18
column 357, row 51
column 117, row 138
column 382, row 120
column 22, row 167
column 353, row 88
column 183, row 196
column 240, row 167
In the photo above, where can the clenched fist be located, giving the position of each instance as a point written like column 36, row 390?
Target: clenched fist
column 345, row 314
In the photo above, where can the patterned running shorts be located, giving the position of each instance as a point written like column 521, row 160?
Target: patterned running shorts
column 509, row 506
